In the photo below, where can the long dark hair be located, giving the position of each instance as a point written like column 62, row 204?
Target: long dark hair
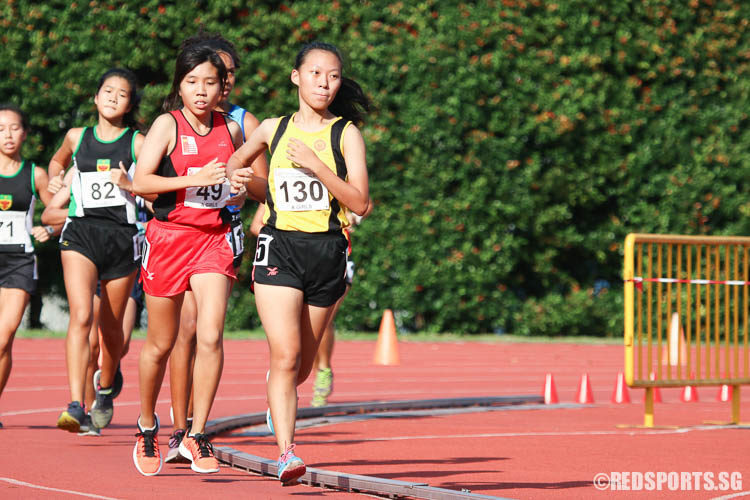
column 214, row 41
column 350, row 101
column 8, row 106
column 131, row 117
column 190, row 56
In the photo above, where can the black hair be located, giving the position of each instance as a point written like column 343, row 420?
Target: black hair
column 131, row 117
column 8, row 106
column 214, row 41
column 190, row 56
column 350, row 101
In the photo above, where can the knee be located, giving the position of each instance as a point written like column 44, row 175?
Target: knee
column 286, row 360
column 158, row 351
column 208, row 343
column 81, row 319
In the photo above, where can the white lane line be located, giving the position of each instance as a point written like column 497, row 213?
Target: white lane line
column 528, row 434
column 733, row 495
column 46, row 488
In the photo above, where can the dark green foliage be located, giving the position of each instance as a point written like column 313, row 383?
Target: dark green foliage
column 513, row 144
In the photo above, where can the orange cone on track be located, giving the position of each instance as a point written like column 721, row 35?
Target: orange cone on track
column 689, row 393
column 550, row 393
column 584, row 394
column 620, row 394
column 676, row 352
column 386, row 349
column 657, row 392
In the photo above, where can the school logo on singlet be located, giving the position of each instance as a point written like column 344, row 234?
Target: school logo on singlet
column 102, row 165
column 319, row 145
column 189, row 146
column 6, row 200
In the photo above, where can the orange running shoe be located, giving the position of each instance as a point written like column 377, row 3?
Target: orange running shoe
column 146, row 455
column 200, row 452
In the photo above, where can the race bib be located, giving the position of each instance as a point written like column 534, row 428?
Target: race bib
column 206, row 197
column 236, row 238
column 13, row 228
column 99, row 191
column 261, row 250
column 297, row 189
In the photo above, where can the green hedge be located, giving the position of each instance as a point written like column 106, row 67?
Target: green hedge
column 513, row 144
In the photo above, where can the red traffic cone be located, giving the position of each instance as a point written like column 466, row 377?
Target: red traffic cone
column 584, row 395
column 620, row 394
column 657, row 392
column 725, row 393
column 689, row 393
column 550, row 393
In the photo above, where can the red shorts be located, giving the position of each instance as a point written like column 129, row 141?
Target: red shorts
column 172, row 253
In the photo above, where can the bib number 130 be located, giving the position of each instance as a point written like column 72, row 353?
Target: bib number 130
column 298, row 189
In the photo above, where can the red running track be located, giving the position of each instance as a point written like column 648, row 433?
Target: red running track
column 518, row 453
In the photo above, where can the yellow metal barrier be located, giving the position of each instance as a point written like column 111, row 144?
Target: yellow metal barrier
column 686, row 313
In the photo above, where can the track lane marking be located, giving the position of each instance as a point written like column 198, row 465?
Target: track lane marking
column 16, row 482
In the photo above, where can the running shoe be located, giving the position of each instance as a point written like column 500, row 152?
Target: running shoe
column 173, row 455
column 72, row 418
column 88, row 428
column 269, row 422
column 116, row 384
column 200, row 452
column 323, row 387
column 102, row 409
column 291, row 467
column 146, row 455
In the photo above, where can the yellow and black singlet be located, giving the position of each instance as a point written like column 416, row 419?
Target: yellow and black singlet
column 297, row 200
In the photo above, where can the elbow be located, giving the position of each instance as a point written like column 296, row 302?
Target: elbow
column 45, row 218
column 362, row 208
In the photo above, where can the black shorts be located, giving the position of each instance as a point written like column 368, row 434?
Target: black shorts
column 312, row 262
column 136, row 293
column 114, row 249
column 18, row 270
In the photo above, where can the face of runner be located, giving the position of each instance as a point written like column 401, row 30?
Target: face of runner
column 318, row 79
column 231, row 71
column 113, row 99
column 12, row 134
column 200, row 90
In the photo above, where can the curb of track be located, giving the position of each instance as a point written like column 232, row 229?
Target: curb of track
column 389, row 488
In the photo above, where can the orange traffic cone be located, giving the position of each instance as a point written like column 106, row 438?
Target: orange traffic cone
column 386, row 349
column 584, row 395
column 620, row 394
column 550, row 393
column 657, row 392
column 677, row 351
column 689, row 393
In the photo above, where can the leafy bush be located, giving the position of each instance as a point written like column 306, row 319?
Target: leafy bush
column 513, row 144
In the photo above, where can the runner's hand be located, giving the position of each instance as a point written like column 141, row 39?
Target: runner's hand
column 56, row 183
column 212, row 173
column 240, row 178
column 121, row 178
